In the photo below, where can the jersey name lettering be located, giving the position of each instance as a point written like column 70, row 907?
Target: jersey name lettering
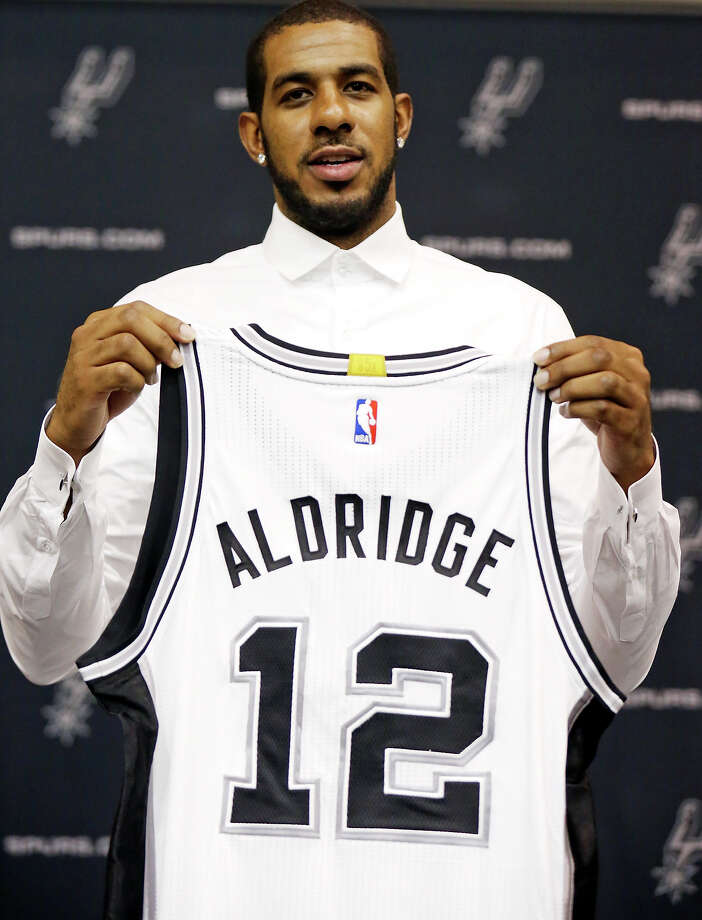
column 445, row 551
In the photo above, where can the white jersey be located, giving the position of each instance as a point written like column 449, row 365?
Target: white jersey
column 351, row 678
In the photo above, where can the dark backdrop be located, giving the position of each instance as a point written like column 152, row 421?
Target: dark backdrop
column 575, row 166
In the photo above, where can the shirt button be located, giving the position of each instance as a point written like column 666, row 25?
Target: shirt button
column 46, row 546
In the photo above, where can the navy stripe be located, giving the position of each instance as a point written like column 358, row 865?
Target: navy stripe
column 438, row 370
column 124, row 692
column 559, row 565
column 341, row 355
column 536, row 543
column 297, row 348
column 430, row 354
column 197, row 498
column 294, row 367
column 161, row 523
column 344, row 373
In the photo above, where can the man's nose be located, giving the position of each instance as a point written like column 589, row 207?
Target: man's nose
column 331, row 111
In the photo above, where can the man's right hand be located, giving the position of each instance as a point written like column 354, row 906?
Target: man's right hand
column 112, row 356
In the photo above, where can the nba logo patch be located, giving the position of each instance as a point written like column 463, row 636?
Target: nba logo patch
column 366, row 421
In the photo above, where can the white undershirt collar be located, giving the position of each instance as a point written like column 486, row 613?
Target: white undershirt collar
column 294, row 251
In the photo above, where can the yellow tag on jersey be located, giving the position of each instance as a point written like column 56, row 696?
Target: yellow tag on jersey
column 367, row 366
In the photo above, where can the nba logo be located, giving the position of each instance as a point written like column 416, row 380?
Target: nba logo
column 366, row 421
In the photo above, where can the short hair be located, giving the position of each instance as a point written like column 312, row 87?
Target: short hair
column 313, row 11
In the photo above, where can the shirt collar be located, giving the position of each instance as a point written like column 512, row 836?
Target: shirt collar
column 294, row 251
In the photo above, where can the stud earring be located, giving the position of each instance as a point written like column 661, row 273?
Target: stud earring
column 400, row 143
column 261, row 159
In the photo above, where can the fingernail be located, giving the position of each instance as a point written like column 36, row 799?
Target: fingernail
column 541, row 378
column 152, row 379
column 565, row 410
column 176, row 358
column 541, row 356
column 187, row 332
column 554, row 395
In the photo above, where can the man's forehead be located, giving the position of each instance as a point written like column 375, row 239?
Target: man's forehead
column 316, row 46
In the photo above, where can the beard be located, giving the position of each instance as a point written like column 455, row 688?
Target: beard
column 332, row 219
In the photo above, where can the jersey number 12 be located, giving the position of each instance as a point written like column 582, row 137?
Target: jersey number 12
column 270, row 655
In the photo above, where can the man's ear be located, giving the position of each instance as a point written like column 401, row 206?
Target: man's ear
column 250, row 134
column 403, row 114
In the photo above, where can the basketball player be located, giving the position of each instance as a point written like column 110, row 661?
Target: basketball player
column 336, row 273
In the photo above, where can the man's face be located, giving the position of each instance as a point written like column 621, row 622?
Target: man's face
column 328, row 126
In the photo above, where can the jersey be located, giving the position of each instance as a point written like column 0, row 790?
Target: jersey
column 351, row 677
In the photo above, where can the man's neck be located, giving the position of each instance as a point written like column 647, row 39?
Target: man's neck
column 349, row 240
column 353, row 239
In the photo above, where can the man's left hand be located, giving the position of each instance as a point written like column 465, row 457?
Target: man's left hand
column 606, row 384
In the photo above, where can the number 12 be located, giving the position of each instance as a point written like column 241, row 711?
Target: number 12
column 273, row 799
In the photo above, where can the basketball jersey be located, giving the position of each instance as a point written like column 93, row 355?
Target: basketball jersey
column 351, row 678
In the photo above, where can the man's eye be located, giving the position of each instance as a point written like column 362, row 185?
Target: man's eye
column 294, row 95
column 360, row 86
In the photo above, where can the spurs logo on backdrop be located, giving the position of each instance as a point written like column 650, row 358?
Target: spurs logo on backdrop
column 506, row 92
column 690, row 540
column 527, row 248
column 55, row 846
column 660, row 698
column 96, row 83
column 681, row 853
column 675, row 400
column 680, row 254
column 665, row 110
column 67, row 716
column 231, row 98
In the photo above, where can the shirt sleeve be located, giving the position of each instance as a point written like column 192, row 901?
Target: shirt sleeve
column 63, row 579
column 620, row 551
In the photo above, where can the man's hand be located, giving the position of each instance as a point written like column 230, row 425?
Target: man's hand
column 112, row 356
column 606, row 384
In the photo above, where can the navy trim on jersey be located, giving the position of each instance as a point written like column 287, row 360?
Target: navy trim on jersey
column 197, row 497
column 333, row 354
column 555, row 554
column 559, row 564
column 343, row 357
column 438, row 370
column 159, row 533
column 583, row 738
column 165, row 510
column 430, row 354
column 536, row 548
column 288, row 346
column 126, row 695
column 293, row 367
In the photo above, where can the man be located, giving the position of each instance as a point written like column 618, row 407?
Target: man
column 337, row 273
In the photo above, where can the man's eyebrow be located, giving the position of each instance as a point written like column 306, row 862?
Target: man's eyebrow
column 303, row 76
column 295, row 76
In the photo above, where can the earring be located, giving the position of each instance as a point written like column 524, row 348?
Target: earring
column 261, row 159
column 400, row 143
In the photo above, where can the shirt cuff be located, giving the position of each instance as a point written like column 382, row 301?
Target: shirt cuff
column 54, row 473
column 639, row 506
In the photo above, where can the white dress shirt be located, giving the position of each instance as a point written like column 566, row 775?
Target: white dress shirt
column 61, row 580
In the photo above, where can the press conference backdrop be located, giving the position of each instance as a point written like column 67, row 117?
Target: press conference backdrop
column 563, row 149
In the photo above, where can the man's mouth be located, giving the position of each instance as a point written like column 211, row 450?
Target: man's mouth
column 335, row 164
